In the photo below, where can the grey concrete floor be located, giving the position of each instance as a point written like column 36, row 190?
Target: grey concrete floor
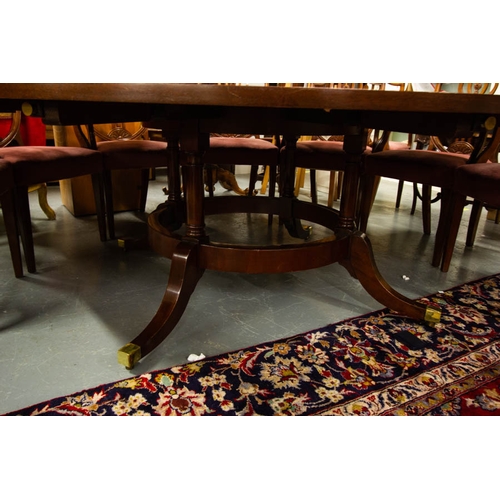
column 60, row 328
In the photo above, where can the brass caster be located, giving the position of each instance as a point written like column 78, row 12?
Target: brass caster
column 122, row 244
column 129, row 355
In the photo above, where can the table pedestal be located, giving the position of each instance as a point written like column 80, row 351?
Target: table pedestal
column 191, row 256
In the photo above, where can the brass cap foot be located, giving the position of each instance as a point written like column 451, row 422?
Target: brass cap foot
column 129, row 355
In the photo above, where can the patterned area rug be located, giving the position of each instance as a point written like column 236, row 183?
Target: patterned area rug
column 367, row 365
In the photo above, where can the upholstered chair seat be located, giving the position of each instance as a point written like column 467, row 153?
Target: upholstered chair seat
column 425, row 167
column 35, row 164
column 241, row 151
column 320, row 155
column 479, row 181
column 133, row 154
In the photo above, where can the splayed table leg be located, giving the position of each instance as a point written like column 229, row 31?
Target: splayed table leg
column 184, row 275
column 361, row 265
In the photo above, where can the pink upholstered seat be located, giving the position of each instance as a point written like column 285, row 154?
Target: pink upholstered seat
column 241, row 151
column 320, row 155
column 426, row 167
column 35, row 164
column 144, row 154
column 480, row 181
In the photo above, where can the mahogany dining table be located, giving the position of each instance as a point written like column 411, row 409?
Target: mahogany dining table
column 189, row 113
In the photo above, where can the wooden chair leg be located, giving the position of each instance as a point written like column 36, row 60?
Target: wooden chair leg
column 445, row 216
column 399, row 193
column 9, row 217
column 314, row 190
column 265, row 180
column 415, row 198
column 332, row 188
column 456, row 208
column 209, row 183
column 271, row 170
column 108, row 204
column 25, row 227
column 426, row 208
column 99, row 198
column 253, row 179
column 475, row 216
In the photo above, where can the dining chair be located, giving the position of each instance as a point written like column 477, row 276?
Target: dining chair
column 9, row 216
column 41, row 164
column 37, row 165
column 480, row 181
column 121, row 150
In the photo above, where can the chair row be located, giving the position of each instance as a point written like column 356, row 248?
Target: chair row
column 28, row 165
column 24, row 166
column 439, row 168
column 446, row 171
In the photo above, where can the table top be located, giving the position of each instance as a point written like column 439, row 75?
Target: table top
column 254, row 96
column 378, row 109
